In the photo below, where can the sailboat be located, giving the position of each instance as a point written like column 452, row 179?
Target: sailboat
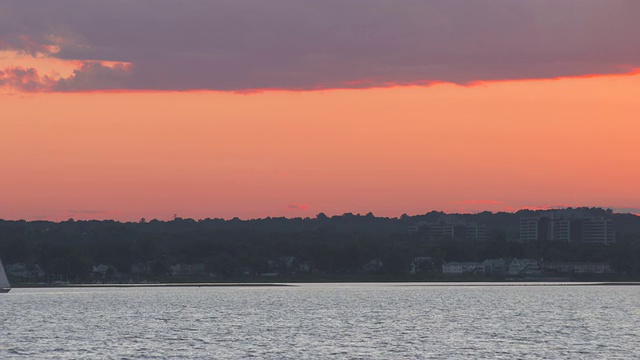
column 4, row 282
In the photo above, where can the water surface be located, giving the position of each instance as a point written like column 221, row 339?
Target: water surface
column 322, row 321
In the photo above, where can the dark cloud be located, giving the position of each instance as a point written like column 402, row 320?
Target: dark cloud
column 25, row 79
column 92, row 73
column 310, row 44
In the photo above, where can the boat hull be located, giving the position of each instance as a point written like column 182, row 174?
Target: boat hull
column 4, row 290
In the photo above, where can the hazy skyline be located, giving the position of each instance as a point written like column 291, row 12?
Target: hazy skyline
column 135, row 109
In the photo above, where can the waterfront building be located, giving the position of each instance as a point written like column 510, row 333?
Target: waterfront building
column 421, row 264
column 494, row 266
column 186, row 269
column 373, row 266
column 562, row 267
column 524, row 267
column 453, row 268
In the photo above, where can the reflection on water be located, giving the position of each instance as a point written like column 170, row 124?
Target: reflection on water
column 320, row 321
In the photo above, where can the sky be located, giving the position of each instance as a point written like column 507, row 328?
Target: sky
column 137, row 108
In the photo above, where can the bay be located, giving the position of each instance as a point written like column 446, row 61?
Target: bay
column 323, row 321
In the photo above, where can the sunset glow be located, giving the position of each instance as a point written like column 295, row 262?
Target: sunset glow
column 495, row 146
column 123, row 110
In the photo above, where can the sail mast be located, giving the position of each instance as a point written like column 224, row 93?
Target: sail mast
column 4, row 281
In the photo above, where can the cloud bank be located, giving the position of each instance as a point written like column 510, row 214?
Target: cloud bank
column 239, row 45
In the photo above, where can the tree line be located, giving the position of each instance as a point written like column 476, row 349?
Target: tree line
column 319, row 247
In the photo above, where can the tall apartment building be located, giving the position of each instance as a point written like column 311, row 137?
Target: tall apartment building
column 529, row 229
column 559, row 227
column 440, row 230
column 562, row 230
column 447, row 228
column 599, row 231
column 476, row 232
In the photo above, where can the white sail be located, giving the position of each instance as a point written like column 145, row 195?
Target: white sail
column 4, row 282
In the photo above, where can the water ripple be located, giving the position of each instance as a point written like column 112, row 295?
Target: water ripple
column 346, row 321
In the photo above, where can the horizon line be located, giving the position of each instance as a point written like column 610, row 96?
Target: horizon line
column 237, row 218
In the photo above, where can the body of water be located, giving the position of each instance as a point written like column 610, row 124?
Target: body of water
column 322, row 321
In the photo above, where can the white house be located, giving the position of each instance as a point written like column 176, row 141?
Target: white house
column 102, row 270
column 524, row 267
column 494, row 266
column 184, row 269
column 24, row 271
column 421, row 264
column 577, row 267
column 372, row 266
column 462, row 268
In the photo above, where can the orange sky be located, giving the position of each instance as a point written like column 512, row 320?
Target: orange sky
column 492, row 146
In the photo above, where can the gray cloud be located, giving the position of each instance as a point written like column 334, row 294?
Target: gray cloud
column 25, row 79
column 299, row 207
column 92, row 73
column 310, row 44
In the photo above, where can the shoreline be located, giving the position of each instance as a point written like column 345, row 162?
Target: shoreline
column 296, row 284
column 150, row 285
